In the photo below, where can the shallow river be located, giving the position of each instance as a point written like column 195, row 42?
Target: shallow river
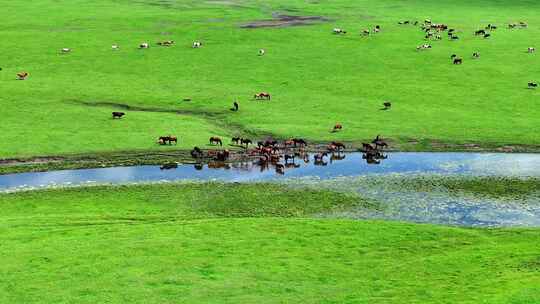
column 351, row 173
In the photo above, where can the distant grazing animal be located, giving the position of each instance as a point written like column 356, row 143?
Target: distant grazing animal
column 531, row 50
column 166, row 43
column 487, row 35
column 365, row 32
column 339, row 31
column 245, row 141
column 337, row 127
column 197, row 44
column 376, row 30
column 480, row 32
column 235, row 140
column 491, row 27
column 115, row 47
column 512, row 25
column 423, row 47
column 235, row 107
column 65, row 50
column 523, row 24
column 387, row 105
column 22, row 75
column 163, row 140
column 262, row 95
column 378, row 141
column 216, row 141
column 404, row 22
column 532, row 85
column 458, row 61
column 118, row 114
column 144, row 45
column 476, row 55
column 261, row 52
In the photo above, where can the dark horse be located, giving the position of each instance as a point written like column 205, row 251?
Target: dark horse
column 214, row 140
column 118, row 114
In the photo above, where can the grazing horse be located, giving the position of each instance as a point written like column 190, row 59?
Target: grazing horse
column 246, row 141
column 22, row 75
column 235, row 106
column 262, row 52
column 166, row 43
column 65, row 50
column 480, row 32
column 115, row 47
column 379, row 142
column 476, row 55
column 118, row 114
column 197, row 44
column 532, row 85
column 163, row 140
column 387, row 105
column 214, row 140
column 531, row 50
column 423, row 47
column 144, row 45
column 458, row 61
column 235, row 140
column 262, row 95
column 365, row 32
column 339, row 31
column 337, row 127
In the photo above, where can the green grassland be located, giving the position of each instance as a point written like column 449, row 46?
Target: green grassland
column 316, row 78
column 227, row 243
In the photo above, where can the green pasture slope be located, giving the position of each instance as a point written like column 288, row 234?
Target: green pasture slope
column 214, row 243
column 316, row 78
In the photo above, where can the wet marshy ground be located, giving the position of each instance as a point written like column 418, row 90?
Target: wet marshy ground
column 381, row 181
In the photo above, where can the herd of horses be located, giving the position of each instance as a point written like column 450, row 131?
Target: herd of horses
column 433, row 31
column 280, row 155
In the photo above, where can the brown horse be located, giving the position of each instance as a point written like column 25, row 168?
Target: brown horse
column 163, row 140
column 214, row 140
column 337, row 127
column 262, row 95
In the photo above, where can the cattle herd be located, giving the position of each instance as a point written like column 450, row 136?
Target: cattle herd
column 271, row 152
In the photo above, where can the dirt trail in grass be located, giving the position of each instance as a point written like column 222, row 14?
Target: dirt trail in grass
column 279, row 20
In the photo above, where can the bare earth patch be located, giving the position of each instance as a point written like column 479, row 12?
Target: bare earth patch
column 285, row 20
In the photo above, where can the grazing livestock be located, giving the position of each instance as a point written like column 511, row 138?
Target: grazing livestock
column 457, row 61
column 166, row 43
column 214, row 140
column 235, row 140
column 476, row 55
column 423, row 47
column 262, row 52
column 245, row 141
column 523, row 24
column 387, row 105
column 117, row 114
column 115, row 47
column 339, row 31
column 22, row 75
column 163, row 140
column 532, row 85
column 337, row 127
column 531, row 50
column 65, row 50
column 404, row 22
column 235, row 107
column 379, row 142
column 365, row 32
column 480, row 32
column 144, row 45
column 197, row 44
column 262, row 95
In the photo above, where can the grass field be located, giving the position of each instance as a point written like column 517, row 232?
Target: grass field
column 215, row 243
column 316, row 78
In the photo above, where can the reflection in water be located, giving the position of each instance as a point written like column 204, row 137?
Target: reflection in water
column 339, row 170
